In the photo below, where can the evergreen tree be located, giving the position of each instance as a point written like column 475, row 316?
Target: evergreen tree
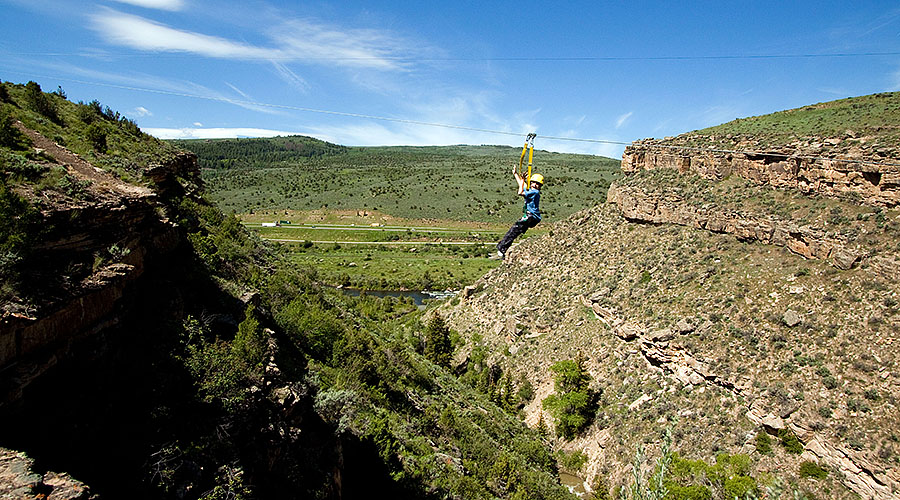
column 40, row 102
column 437, row 342
column 574, row 404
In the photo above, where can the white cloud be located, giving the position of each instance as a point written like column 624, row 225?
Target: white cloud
column 295, row 40
column 305, row 40
column 290, row 77
column 141, row 111
column 239, row 91
column 622, row 119
column 197, row 124
column 139, row 33
column 213, row 133
column 156, row 4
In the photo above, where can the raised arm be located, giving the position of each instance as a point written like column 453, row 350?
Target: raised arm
column 520, row 181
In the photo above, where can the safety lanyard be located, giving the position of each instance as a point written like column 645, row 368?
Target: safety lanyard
column 529, row 148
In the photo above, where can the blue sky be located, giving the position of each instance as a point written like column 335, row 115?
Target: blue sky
column 602, row 71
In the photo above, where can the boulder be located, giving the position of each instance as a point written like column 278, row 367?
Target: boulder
column 628, row 331
column 684, row 326
column 791, row 318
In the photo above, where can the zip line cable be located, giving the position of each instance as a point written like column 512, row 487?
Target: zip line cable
column 462, row 127
column 179, row 53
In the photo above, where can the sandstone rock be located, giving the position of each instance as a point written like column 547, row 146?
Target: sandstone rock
column 639, row 401
column 684, row 326
column 661, row 335
column 791, row 318
column 19, row 481
column 776, row 168
column 599, row 294
column 628, row 332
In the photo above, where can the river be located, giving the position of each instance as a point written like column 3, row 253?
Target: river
column 419, row 296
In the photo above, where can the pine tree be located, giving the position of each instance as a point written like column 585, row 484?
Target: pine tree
column 437, row 342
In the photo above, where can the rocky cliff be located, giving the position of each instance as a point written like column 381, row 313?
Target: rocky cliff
column 93, row 248
column 873, row 180
column 718, row 307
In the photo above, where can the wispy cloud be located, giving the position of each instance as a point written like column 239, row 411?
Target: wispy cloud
column 622, row 119
column 143, row 34
column 153, row 85
column 304, row 40
column 140, row 111
column 294, row 40
column 239, row 91
column 290, row 77
column 156, row 4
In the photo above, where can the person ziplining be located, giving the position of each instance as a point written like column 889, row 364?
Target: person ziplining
column 529, row 188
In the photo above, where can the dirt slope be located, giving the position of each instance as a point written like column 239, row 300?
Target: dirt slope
column 720, row 338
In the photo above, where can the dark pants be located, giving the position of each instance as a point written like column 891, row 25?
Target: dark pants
column 515, row 231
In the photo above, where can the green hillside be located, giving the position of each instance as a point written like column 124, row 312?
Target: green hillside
column 221, row 369
column 453, row 182
column 95, row 132
column 868, row 123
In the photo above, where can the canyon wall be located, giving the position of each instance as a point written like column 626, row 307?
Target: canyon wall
column 873, row 182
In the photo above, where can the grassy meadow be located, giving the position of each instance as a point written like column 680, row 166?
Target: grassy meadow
column 390, row 217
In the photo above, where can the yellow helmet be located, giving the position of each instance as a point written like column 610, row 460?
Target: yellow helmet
column 537, row 178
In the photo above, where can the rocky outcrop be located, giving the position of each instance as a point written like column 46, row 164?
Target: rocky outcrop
column 874, row 182
column 860, row 474
column 19, row 481
column 809, row 242
column 93, row 247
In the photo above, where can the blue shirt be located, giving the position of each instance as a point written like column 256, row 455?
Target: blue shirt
column 532, row 200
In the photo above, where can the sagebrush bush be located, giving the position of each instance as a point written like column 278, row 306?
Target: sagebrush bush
column 812, row 470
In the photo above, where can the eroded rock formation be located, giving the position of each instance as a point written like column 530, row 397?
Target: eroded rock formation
column 874, row 182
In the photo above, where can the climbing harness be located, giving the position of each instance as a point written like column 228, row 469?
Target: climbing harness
column 529, row 148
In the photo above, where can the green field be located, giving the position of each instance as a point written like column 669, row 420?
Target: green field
column 405, row 254
column 461, row 183
column 390, row 217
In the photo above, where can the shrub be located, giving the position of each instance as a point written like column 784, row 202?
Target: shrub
column 40, row 102
column 17, row 219
column 813, row 470
column 9, row 135
column 311, row 325
column 872, row 394
column 857, row 405
column 790, row 442
column 675, row 491
column 249, row 346
column 213, row 366
column 739, row 487
column 96, row 135
column 763, row 443
column 574, row 404
column 572, row 461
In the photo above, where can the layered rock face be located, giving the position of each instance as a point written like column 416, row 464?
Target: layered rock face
column 805, row 240
column 874, row 182
column 92, row 250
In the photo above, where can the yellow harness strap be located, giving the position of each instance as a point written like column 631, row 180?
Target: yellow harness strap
column 529, row 147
